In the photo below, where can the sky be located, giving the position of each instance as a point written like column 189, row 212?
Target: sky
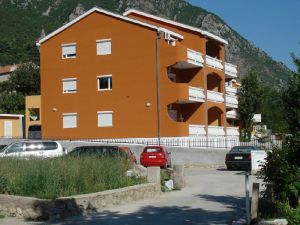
column 271, row 25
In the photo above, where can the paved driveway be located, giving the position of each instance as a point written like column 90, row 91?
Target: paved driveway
column 211, row 197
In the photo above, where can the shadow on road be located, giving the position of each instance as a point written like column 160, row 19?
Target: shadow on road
column 150, row 215
column 230, row 202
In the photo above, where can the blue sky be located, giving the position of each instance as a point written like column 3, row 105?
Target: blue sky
column 271, row 25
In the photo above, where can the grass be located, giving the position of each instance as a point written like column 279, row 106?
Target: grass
column 66, row 176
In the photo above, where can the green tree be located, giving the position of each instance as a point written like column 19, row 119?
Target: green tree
column 250, row 102
column 23, row 82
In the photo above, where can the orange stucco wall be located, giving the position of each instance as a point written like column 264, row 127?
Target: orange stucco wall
column 32, row 102
column 17, row 130
column 132, row 65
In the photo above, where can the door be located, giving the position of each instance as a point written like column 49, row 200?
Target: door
column 8, row 129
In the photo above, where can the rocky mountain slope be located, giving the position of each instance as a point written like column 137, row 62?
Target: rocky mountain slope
column 22, row 22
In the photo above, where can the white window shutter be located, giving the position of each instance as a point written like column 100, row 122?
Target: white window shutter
column 104, row 47
column 69, row 85
column 69, row 51
column 104, row 119
column 69, row 120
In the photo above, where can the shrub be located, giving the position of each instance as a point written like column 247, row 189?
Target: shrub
column 66, row 176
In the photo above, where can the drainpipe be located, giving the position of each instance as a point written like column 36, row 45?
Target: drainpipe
column 157, row 84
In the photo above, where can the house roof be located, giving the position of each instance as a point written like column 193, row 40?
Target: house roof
column 205, row 33
column 95, row 9
column 11, row 115
column 8, row 69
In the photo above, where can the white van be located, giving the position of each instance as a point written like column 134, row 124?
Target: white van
column 26, row 149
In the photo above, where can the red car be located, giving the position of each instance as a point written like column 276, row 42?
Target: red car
column 155, row 156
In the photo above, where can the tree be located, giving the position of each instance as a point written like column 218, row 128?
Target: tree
column 22, row 82
column 250, row 102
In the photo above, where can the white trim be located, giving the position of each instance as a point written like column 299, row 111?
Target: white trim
column 95, row 9
column 70, row 114
column 98, row 82
column 205, row 33
column 11, row 115
column 105, row 112
column 103, row 40
column 68, row 79
column 68, row 44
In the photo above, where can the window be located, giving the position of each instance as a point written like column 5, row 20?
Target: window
column 34, row 114
column 68, row 51
column 69, row 120
column 70, row 85
column 104, row 82
column 103, row 47
column 105, row 119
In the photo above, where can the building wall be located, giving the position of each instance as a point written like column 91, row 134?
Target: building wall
column 132, row 65
column 17, row 128
column 32, row 102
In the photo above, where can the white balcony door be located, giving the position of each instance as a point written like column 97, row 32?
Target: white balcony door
column 7, row 129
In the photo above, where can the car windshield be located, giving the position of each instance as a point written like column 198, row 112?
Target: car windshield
column 2, row 148
column 242, row 149
column 153, row 150
column 12, row 148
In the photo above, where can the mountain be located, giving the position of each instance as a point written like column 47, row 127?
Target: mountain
column 22, row 22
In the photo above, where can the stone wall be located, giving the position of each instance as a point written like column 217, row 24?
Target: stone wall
column 39, row 209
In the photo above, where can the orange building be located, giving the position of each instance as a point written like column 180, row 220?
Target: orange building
column 107, row 76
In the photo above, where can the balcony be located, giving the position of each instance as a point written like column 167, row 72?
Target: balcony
column 231, row 90
column 215, row 96
column 197, row 130
column 215, row 131
column 214, row 63
column 230, row 70
column 232, row 101
column 188, row 94
column 232, row 131
column 196, row 94
column 188, row 58
column 232, row 114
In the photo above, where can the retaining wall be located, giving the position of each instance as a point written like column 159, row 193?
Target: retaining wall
column 39, row 209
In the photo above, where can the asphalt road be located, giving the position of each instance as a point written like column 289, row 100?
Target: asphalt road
column 212, row 196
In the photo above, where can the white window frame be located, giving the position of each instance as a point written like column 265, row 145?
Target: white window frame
column 98, row 83
column 69, row 91
column 105, row 112
column 69, row 114
column 102, row 41
column 68, row 45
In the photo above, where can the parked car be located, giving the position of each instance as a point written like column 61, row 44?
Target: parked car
column 109, row 151
column 239, row 157
column 155, row 156
column 26, row 149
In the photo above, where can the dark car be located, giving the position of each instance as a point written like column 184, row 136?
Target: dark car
column 104, row 151
column 155, row 156
column 239, row 157
column 2, row 147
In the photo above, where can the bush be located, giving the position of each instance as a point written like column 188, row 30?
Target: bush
column 66, row 176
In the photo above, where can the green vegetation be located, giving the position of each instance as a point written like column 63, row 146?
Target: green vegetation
column 250, row 102
column 66, row 176
column 23, row 81
column 281, row 172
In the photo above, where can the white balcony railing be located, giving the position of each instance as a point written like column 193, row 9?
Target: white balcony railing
column 232, row 114
column 215, row 96
column 196, row 94
column 232, row 131
column 194, row 57
column 197, row 130
column 231, row 90
column 214, row 62
column 232, row 101
column 231, row 70
column 215, row 131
